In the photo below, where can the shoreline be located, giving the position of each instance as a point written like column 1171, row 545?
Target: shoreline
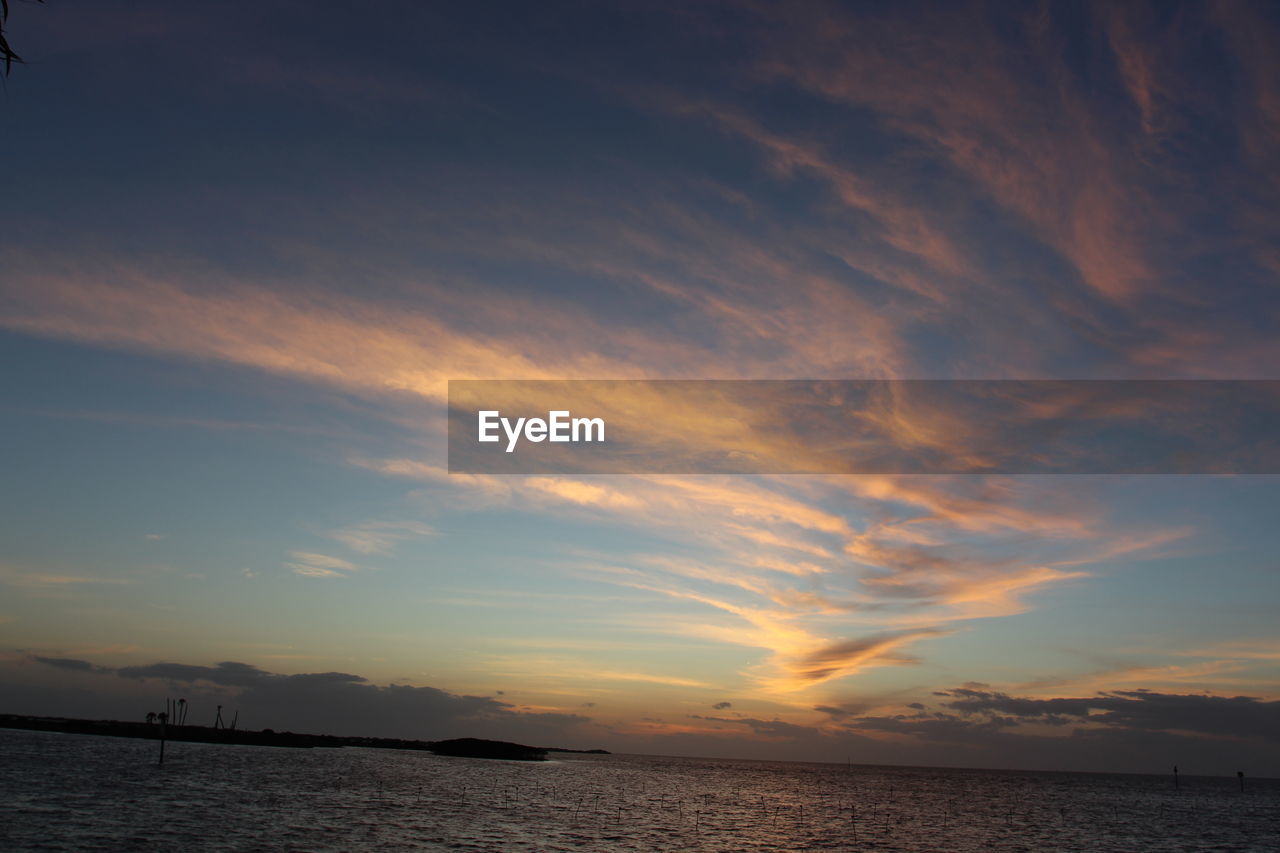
column 457, row 747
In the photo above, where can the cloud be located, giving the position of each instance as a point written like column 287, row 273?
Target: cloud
column 1111, row 161
column 1032, row 215
column 713, row 284
column 338, row 702
column 545, row 670
column 1224, row 716
column 313, row 565
column 771, row 729
column 1217, row 674
column 1259, row 649
column 852, row 655
column 72, row 664
column 43, row 580
column 973, row 725
column 228, row 673
column 797, row 563
column 1129, row 730
column 380, row 537
column 722, row 706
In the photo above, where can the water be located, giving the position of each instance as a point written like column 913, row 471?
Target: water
column 80, row 792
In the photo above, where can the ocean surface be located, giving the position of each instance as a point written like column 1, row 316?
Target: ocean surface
column 83, row 792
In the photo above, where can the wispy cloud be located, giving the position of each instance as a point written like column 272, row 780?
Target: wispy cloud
column 379, row 537
column 19, row 577
column 313, row 565
column 973, row 192
column 792, row 575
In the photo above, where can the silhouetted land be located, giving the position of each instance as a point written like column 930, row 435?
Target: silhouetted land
column 474, row 748
column 465, row 747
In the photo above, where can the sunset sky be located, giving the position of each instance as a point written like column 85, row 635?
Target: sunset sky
column 244, row 248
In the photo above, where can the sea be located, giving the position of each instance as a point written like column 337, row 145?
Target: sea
column 86, row 792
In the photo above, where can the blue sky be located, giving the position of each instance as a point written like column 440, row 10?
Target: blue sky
column 243, row 254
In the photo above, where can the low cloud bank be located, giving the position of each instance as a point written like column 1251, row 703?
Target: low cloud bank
column 331, row 703
column 1136, row 731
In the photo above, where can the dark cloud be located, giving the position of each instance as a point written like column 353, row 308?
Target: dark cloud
column 338, row 703
column 69, row 663
column 1127, row 731
column 1238, row 716
column 722, row 706
column 329, row 678
column 972, row 725
column 771, row 728
column 228, row 673
column 832, row 711
column 933, row 727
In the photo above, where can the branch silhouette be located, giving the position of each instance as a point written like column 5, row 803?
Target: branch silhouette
column 7, row 53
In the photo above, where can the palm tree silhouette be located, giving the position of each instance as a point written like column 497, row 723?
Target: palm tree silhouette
column 182, row 712
column 151, row 717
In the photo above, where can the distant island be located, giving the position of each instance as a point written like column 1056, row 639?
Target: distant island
column 457, row 747
column 469, row 747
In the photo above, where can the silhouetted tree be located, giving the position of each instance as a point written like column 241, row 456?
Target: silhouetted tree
column 7, row 54
column 151, row 717
column 182, row 712
column 163, row 717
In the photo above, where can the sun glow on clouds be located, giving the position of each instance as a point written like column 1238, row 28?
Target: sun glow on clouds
column 781, row 560
column 778, row 565
column 906, row 220
column 319, row 565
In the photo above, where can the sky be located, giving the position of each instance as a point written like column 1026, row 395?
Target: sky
column 242, row 253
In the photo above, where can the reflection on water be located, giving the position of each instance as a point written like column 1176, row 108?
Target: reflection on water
column 75, row 792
